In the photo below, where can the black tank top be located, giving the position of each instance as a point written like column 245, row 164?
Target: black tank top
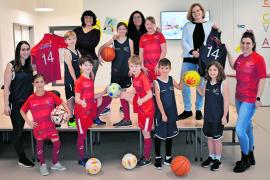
column 213, row 104
column 122, row 54
column 21, row 86
column 75, row 65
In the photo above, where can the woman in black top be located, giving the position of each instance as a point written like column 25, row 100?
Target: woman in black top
column 17, row 88
column 88, row 37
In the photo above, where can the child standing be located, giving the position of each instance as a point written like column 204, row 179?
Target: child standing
column 166, row 113
column 72, row 71
column 43, row 128
column 152, row 48
column 87, row 104
column 143, row 104
column 216, row 109
column 123, row 47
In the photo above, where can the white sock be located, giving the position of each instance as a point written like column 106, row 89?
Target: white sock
column 212, row 156
column 218, row 157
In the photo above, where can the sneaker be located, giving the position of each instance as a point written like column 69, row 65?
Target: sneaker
column 98, row 122
column 57, row 126
column 105, row 112
column 123, row 123
column 44, row 170
column 83, row 161
column 198, row 115
column 144, row 162
column 184, row 115
column 158, row 163
column 216, row 165
column 72, row 124
column 208, row 162
column 58, row 167
column 121, row 110
column 168, row 161
column 24, row 162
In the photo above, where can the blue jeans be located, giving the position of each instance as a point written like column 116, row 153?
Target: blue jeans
column 244, row 129
column 186, row 90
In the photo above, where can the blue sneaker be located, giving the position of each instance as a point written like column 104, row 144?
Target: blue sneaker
column 106, row 111
column 98, row 122
column 83, row 161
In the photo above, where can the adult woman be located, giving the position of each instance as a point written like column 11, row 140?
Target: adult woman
column 17, row 88
column 195, row 33
column 250, row 75
column 88, row 37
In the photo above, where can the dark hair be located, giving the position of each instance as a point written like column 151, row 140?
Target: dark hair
column 18, row 63
column 164, row 62
column 131, row 25
column 38, row 76
column 86, row 58
column 88, row 13
column 121, row 24
column 249, row 34
column 221, row 74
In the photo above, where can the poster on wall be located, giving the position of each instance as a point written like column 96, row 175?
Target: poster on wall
column 109, row 25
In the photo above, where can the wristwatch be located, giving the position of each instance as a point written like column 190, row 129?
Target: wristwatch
column 258, row 99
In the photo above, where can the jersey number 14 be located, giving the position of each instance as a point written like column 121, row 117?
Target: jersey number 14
column 48, row 58
column 214, row 53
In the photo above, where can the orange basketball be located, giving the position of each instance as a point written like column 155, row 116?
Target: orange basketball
column 180, row 166
column 107, row 54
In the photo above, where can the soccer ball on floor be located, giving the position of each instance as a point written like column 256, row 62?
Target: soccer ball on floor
column 114, row 90
column 93, row 166
column 59, row 115
column 129, row 161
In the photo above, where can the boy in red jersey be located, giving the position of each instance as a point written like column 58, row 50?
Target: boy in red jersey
column 143, row 104
column 87, row 104
column 41, row 104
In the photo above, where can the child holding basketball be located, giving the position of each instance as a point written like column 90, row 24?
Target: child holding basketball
column 166, row 111
column 87, row 104
column 43, row 128
column 72, row 71
column 143, row 104
column 216, row 109
column 123, row 47
column 152, row 48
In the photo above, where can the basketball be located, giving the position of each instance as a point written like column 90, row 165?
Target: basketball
column 107, row 54
column 180, row 166
column 93, row 166
column 114, row 90
column 129, row 161
column 192, row 78
column 59, row 115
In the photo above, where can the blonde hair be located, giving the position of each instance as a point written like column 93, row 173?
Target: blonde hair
column 189, row 15
column 151, row 19
column 135, row 59
column 69, row 34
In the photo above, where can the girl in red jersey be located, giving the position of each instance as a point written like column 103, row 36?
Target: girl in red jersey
column 152, row 48
column 41, row 103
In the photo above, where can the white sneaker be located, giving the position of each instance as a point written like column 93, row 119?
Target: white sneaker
column 44, row 170
column 58, row 167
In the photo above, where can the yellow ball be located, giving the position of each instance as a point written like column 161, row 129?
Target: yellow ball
column 192, row 78
column 93, row 166
column 129, row 161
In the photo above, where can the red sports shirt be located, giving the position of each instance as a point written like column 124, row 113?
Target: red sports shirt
column 46, row 56
column 249, row 71
column 85, row 87
column 142, row 85
column 150, row 43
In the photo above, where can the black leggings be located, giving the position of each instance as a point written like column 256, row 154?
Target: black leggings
column 18, row 124
column 168, row 145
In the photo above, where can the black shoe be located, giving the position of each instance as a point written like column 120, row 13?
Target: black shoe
column 242, row 165
column 25, row 163
column 144, row 162
column 168, row 161
column 158, row 163
column 216, row 165
column 251, row 157
column 208, row 162
column 199, row 115
column 123, row 123
column 185, row 115
column 98, row 122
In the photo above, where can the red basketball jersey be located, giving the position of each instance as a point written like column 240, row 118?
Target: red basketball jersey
column 45, row 56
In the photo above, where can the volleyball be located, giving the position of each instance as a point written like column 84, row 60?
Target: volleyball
column 93, row 166
column 129, row 161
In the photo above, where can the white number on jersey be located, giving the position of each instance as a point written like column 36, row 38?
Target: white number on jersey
column 214, row 54
column 49, row 58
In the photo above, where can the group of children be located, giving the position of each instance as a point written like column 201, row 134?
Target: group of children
column 152, row 97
